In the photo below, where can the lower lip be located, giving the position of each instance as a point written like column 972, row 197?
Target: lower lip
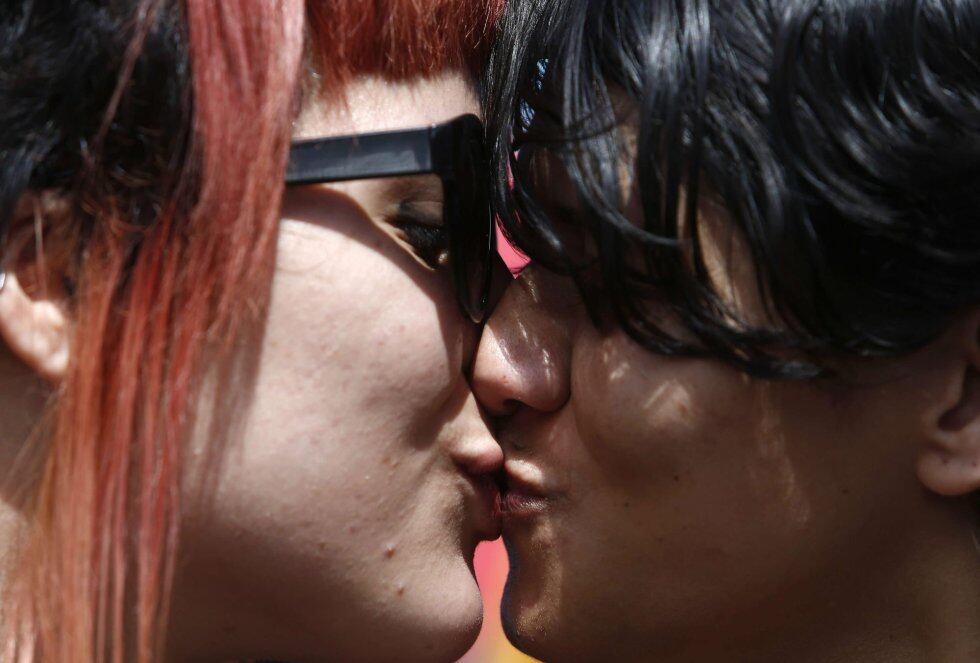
column 488, row 526
column 517, row 505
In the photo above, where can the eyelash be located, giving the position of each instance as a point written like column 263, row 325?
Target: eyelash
column 431, row 242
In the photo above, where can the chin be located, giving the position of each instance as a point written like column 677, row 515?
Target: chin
column 428, row 611
column 436, row 626
column 453, row 644
column 447, row 618
column 465, row 619
column 525, row 616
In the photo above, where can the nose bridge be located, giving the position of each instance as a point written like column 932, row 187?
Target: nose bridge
column 525, row 351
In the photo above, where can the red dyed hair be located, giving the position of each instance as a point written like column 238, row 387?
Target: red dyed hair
column 98, row 557
column 398, row 39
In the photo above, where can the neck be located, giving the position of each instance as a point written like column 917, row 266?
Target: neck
column 949, row 615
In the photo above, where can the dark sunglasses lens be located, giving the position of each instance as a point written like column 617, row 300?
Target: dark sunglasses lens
column 475, row 237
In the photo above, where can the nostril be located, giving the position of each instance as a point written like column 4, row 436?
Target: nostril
column 507, row 409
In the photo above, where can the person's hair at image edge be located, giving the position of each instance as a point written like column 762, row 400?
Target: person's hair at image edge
column 842, row 139
column 162, row 129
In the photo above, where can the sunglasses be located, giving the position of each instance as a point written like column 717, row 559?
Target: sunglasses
column 455, row 152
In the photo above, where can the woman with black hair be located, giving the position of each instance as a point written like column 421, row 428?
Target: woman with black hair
column 738, row 390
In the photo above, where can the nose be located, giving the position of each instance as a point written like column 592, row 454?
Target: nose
column 478, row 455
column 523, row 359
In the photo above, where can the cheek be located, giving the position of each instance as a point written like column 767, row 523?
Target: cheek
column 359, row 361
column 334, row 484
column 686, row 437
column 355, row 325
column 642, row 416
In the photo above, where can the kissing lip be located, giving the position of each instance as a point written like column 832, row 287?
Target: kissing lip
column 523, row 495
column 486, row 510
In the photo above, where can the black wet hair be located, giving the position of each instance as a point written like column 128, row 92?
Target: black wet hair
column 841, row 137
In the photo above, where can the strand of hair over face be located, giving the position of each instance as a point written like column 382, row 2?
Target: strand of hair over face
column 167, row 267
column 840, row 138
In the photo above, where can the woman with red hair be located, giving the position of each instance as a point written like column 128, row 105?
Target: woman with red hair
column 244, row 248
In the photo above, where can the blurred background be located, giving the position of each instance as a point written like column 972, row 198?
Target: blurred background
column 491, row 572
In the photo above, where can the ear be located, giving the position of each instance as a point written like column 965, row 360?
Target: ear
column 949, row 463
column 34, row 322
column 35, row 330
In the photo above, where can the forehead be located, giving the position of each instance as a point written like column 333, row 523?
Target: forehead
column 370, row 103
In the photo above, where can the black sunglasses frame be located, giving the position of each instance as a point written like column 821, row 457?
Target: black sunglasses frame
column 455, row 152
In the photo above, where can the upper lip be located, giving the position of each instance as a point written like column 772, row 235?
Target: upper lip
column 522, row 477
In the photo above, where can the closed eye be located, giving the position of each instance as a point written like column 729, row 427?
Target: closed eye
column 424, row 232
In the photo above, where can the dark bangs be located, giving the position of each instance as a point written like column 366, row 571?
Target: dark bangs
column 842, row 137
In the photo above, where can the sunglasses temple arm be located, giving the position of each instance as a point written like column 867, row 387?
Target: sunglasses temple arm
column 391, row 154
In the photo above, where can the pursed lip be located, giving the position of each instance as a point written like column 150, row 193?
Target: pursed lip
column 524, row 494
column 486, row 510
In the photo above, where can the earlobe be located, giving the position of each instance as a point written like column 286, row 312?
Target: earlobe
column 949, row 474
column 35, row 330
column 949, row 463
